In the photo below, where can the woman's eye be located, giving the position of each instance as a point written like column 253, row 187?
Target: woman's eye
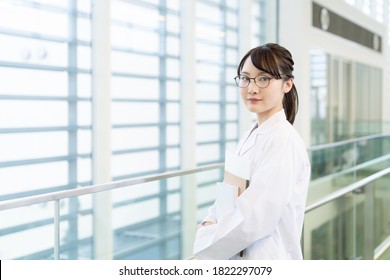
column 244, row 78
column 263, row 79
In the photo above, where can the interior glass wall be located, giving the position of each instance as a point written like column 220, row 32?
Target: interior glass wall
column 45, row 112
column 46, row 107
column 218, row 99
column 345, row 98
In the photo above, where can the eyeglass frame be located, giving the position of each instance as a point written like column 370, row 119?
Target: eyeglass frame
column 254, row 80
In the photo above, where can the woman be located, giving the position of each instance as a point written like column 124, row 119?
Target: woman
column 267, row 220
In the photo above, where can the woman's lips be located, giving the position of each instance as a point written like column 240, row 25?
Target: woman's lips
column 253, row 100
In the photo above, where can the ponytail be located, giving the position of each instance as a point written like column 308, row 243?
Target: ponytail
column 290, row 104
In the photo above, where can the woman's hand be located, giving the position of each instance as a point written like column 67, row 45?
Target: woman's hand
column 204, row 224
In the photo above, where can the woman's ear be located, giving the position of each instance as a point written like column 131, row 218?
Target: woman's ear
column 288, row 85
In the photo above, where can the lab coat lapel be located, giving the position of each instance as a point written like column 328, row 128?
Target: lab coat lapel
column 249, row 140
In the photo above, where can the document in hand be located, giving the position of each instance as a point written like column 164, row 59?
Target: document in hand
column 236, row 180
column 237, row 171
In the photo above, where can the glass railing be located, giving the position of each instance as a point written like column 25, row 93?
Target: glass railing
column 155, row 217
column 152, row 217
column 336, row 165
column 350, row 223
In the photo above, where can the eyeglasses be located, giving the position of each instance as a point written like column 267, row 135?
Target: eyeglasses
column 261, row 81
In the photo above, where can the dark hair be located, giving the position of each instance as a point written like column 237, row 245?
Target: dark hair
column 277, row 61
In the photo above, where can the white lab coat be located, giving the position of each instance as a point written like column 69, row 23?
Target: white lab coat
column 268, row 217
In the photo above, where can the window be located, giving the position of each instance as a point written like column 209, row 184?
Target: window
column 45, row 102
column 46, row 113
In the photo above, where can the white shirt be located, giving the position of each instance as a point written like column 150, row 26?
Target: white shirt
column 268, row 218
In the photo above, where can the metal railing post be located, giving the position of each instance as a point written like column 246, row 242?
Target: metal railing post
column 57, row 229
column 369, row 222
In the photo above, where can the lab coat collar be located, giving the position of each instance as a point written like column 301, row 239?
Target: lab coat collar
column 269, row 123
column 249, row 141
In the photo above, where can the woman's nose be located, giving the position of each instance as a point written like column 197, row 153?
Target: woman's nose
column 252, row 87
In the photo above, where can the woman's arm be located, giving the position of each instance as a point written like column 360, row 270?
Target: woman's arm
column 258, row 210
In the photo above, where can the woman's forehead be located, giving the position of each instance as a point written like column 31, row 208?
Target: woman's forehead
column 250, row 68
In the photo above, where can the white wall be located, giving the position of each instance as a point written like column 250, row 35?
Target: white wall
column 297, row 34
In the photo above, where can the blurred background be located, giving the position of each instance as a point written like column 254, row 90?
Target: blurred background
column 115, row 117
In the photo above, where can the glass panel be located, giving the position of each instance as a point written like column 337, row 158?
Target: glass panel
column 208, row 72
column 337, row 112
column 133, row 138
column 134, row 113
column 330, row 231
column 147, row 70
column 54, row 174
column 210, row 53
column 84, row 28
column 349, row 162
column 382, row 210
column 84, row 6
column 33, row 51
column 84, row 174
column 216, row 52
column 206, row 194
column 134, row 163
column 319, row 96
column 39, row 145
column 84, row 110
column 84, row 141
column 208, row 92
column 134, row 88
column 232, row 93
column 76, row 228
column 173, row 137
column 84, row 85
column 84, row 57
column 29, row 19
column 368, row 113
column 231, row 72
column 173, row 68
column 140, row 16
column 173, row 23
column 231, row 112
column 31, row 224
column 40, row 77
column 208, row 153
column 124, row 37
column 173, row 4
column 173, row 112
column 13, row 113
column 173, row 90
column 208, row 12
column 258, row 17
column 134, row 64
column 44, row 83
column 156, row 233
column 208, row 132
column 173, row 158
column 140, row 234
column 231, row 130
column 207, row 112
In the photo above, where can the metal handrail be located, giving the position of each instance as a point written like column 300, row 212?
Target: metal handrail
column 27, row 201
column 350, row 188
column 345, row 142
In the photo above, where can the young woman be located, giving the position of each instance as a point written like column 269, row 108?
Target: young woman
column 267, row 220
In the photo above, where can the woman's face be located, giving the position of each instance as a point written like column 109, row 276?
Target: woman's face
column 263, row 101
